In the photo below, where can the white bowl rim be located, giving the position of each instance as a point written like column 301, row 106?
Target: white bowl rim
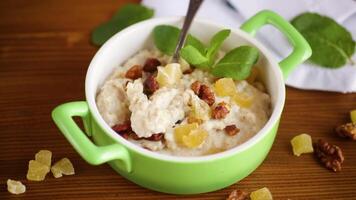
column 182, row 159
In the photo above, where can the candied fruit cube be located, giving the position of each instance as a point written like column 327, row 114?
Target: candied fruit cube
column 15, row 187
column 242, row 99
column 225, row 87
column 214, row 150
column 36, row 171
column 200, row 110
column 353, row 116
column 184, row 129
column 253, row 76
column 261, row 194
column 64, row 166
column 169, row 75
column 44, row 157
column 195, row 138
column 302, row 144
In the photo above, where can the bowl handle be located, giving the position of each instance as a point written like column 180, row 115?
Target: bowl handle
column 93, row 154
column 301, row 49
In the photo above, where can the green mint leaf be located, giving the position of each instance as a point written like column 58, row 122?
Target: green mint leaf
column 165, row 38
column 215, row 43
column 196, row 43
column 124, row 17
column 331, row 43
column 193, row 56
column 237, row 63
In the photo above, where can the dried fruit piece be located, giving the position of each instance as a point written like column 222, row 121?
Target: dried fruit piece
column 169, row 75
column 242, row 99
column 64, row 166
column 183, row 129
column 214, row 150
column 261, row 194
column 238, row 195
column 37, row 171
column 231, row 130
column 191, row 119
column 302, row 144
column 206, row 94
column 347, row 130
column 200, row 110
column 134, row 72
column 220, row 111
column 151, row 65
column 150, row 85
column 353, row 116
column 15, row 187
column 225, row 87
column 44, row 157
column 329, row 155
column 195, row 138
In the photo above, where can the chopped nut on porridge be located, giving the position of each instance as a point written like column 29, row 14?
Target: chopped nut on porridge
column 134, row 72
column 151, row 65
column 220, row 111
column 231, row 130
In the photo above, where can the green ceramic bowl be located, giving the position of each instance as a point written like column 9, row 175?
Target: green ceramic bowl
column 171, row 174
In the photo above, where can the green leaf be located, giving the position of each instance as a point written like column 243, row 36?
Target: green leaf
column 215, row 44
column 165, row 38
column 237, row 63
column 193, row 56
column 124, row 17
column 196, row 43
column 331, row 43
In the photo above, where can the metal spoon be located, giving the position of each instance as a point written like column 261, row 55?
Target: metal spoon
column 192, row 10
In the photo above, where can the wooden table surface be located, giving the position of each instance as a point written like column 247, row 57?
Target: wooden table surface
column 44, row 54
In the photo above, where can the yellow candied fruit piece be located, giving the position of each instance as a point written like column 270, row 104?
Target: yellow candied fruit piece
column 225, row 87
column 36, row 171
column 353, row 116
column 44, row 157
column 242, row 99
column 200, row 110
column 195, row 138
column 214, row 150
column 64, row 166
column 182, row 130
column 15, row 187
column 261, row 194
column 253, row 76
column 169, row 75
column 302, row 144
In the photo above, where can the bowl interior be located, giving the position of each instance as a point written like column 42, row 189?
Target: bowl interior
column 137, row 37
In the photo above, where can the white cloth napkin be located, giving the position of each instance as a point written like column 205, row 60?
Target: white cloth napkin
column 306, row 76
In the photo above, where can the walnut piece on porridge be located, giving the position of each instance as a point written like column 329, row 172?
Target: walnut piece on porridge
column 231, row 130
column 134, row 72
column 220, row 111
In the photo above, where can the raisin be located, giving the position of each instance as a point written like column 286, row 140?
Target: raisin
column 151, row 65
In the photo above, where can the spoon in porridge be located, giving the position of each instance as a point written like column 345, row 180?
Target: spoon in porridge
column 192, row 10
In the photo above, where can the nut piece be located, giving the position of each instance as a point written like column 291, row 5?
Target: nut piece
column 203, row 92
column 64, row 166
column 207, row 95
column 238, row 195
column 220, row 111
column 231, row 130
column 15, row 187
column 36, row 171
column 151, row 65
column 329, row 155
column 134, row 72
column 261, row 194
column 150, row 85
column 44, row 157
column 347, row 130
column 196, row 87
column 302, row 144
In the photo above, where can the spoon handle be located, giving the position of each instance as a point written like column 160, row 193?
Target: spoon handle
column 192, row 10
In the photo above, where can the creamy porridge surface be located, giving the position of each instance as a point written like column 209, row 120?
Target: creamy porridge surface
column 174, row 119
